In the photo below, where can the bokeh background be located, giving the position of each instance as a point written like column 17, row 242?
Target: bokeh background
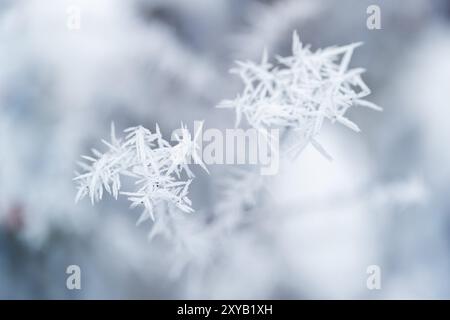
column 382, row 201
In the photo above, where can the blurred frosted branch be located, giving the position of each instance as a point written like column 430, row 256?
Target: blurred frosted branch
column 268, row 23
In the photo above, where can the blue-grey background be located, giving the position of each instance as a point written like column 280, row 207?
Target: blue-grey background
column 382, row 201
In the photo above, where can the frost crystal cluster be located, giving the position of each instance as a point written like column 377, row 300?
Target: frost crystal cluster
column 156, row 166
column 295, row 94
column 300, row 91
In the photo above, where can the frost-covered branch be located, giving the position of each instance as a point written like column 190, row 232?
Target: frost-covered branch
column 300, row 91
column 295, row 94
column 156, row 166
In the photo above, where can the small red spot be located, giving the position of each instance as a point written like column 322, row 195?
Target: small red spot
column 14, row 218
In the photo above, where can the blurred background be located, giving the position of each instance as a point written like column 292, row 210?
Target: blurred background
column 382, row 201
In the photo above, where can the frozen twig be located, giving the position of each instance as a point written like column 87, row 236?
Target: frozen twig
column 156, row 166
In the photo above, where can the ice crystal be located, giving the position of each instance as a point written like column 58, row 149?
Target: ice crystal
column 300, row 91
column 157, row 167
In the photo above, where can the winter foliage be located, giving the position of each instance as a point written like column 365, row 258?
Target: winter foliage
column 156, row 166
column 308, row 232
column 300, row 91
